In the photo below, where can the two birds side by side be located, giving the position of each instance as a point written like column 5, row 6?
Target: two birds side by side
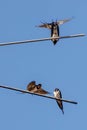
column 33, row 87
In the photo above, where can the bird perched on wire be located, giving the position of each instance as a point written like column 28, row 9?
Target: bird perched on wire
column 57, row 94
column 54, row 27
column 36, row 88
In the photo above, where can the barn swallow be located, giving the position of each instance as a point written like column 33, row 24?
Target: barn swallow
column 36, row 88
column 57, row 94
column 54, row 27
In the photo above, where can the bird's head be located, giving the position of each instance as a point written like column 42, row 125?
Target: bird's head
column 39, row 86
column 56, row 89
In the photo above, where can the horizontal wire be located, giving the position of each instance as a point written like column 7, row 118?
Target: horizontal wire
column 38, row 40
column 46, row 96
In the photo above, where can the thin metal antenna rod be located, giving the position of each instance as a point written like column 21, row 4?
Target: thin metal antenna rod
column 42, row 39
column 46, row 96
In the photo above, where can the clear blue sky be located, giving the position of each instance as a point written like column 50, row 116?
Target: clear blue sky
column 63, row 66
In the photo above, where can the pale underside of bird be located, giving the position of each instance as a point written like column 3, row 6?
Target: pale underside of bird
column 36, row 88
column 57, row 94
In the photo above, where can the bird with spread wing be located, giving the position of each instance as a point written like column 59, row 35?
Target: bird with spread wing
column 36, row 88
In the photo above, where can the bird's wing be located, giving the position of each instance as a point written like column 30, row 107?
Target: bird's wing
column 60, row 104
column 60, row 94
column 41, row 91
column 45, row 25
column 31, row 85
column 63, row 21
